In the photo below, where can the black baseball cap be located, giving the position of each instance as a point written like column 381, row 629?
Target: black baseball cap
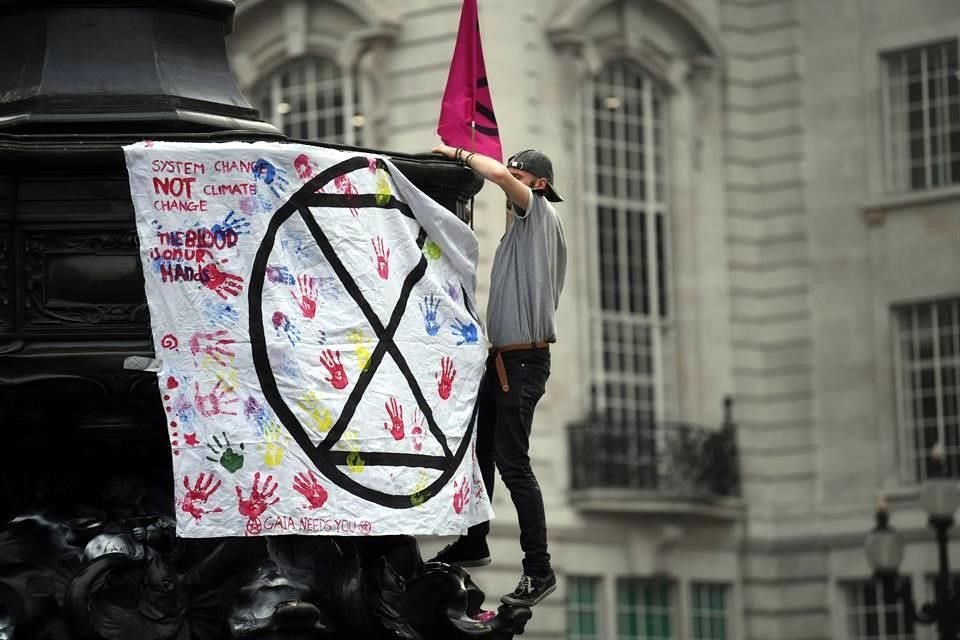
column 538, row 164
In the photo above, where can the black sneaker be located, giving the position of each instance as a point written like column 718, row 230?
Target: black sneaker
column 464, row 553
column 531, row 590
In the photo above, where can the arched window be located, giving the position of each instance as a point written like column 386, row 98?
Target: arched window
column 312, row 98
column 626, row 197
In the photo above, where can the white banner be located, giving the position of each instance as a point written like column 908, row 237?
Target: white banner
column 321, row 353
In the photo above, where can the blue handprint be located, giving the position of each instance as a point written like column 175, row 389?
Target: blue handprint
column 468, row 332
column 220, row 313
column 282, row 322
column 271, row 176
column 429, row 308
column 303, row 252
column 232, row 222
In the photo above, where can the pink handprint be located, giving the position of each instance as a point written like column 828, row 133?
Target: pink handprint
column 344, row 186
column 200, row 493
column 395, row 411
column 330, row 359
column 213, row 403
column 213, row 345
column 416, row 434
column 461, row 495
column 257, row 503
column 383, row 257
column 372, row 165
column 308, row 296
column 445, row 377
column 220, row 281
column 310, row 488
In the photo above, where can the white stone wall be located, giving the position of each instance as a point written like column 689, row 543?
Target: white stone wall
column 787, row 256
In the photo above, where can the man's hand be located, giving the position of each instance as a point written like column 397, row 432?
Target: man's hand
column 490, row 169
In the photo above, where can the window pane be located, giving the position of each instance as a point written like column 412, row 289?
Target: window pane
column 583, row 608
column 625, row 116
column 922, row 91
column 644, row 610
column 929, row 363
column 873, row 614
column 708, row 611
column 305, row 99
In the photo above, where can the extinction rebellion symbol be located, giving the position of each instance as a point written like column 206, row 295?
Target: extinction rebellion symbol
column 330, row 462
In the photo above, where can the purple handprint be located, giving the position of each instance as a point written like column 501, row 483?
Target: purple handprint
column 429, row 308
column 453, row 290
column 280, row 274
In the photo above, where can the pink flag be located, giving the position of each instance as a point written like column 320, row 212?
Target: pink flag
column 466, row 115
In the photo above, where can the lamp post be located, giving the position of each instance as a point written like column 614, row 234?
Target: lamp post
column 940, row 497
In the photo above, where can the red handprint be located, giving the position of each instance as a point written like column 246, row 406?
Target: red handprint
column 310, row 488
column 213, row 345
column 304, row 166
column 344, row 186
column 257, row 503
column 445, row 377
column 330, row 359
column 461, row 496
column 220, row 281
column 383, row 257
column 212, row 404
column 308, row 296
column 395, row 411
column 416, row 434
column 200, row 493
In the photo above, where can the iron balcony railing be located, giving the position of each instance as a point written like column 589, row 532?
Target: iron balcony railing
column 667, row 457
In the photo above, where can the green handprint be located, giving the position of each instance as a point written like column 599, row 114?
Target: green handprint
column 227, row 457
column 432, row 249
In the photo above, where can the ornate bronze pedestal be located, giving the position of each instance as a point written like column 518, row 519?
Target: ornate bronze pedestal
column 90, row 553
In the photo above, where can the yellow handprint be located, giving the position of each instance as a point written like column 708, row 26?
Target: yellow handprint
column 357, row 339
column 419, row 495
column 383, row 188
column 355, row 463
column 229, row 377
column 275, row 439
column 319, row 416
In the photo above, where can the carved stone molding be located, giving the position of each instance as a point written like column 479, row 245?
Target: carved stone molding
column 6, row 286
column 44, row 251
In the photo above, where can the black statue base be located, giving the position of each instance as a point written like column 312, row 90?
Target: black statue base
column 132, row 578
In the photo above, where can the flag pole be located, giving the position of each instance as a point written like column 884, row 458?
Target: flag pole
column 473, row 147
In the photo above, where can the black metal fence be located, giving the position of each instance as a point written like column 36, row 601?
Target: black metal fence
column 672, row 457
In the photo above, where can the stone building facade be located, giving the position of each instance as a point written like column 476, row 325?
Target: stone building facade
column 761, row 204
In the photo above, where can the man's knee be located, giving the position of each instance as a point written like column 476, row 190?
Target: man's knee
column 516, row 473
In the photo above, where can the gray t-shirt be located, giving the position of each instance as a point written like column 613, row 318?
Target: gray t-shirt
column 527, row 277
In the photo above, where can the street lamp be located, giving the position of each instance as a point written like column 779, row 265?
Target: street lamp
column 940, row 497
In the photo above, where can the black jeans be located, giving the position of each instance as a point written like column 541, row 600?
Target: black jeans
column 503, row 424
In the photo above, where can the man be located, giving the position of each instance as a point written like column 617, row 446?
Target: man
column 525, row 284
